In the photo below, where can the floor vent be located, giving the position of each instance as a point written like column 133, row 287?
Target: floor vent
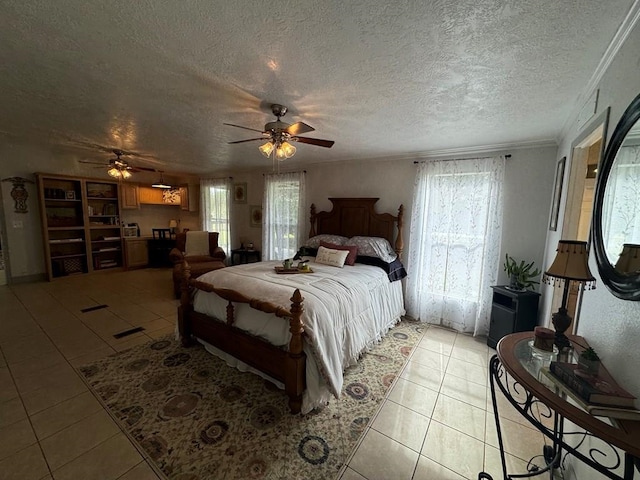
column 125, row 333
column 91, row 309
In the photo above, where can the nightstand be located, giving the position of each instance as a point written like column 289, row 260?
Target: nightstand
column 244, row 255
column 511, row 311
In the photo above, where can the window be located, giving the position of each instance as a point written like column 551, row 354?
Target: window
column 621, row 219
column 454, row 249
column 284, row 199
column 215, row 199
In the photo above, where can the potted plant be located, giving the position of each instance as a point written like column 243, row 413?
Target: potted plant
column 521, row 275
column 589, row 361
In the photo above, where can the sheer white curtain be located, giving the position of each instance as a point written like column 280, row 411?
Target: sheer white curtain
column 621, row 218
column 454, row 248
column 283, row 228
column 215, row 201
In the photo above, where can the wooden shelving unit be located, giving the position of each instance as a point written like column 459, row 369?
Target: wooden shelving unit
column 80, row 224
column 105, row 232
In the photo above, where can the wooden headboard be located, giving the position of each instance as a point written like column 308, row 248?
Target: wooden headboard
column 356, row 216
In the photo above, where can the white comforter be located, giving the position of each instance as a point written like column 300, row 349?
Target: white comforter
column 346, row 310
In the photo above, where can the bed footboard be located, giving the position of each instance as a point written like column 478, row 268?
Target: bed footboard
column 287, row 367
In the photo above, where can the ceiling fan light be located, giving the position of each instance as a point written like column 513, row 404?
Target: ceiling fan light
column 126, row 174
column 114, row 172
column 266, row 149
column 280, row 155
column 288, row 149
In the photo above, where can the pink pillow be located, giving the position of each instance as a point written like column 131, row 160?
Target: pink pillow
column 353, row 251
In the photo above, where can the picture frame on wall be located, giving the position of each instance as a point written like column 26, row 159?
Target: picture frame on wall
column 255, row 216
column 557, row 194
column 240, row 192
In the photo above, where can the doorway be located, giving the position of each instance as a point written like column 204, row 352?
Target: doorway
column 587, row 151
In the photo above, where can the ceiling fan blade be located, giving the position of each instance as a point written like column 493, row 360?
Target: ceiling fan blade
column 240, row 126
column 141, row 169
column 249, row 140
column 299, row 127
column 93, row 146
column 315, row 141
column 93, row 163
column 129, row 153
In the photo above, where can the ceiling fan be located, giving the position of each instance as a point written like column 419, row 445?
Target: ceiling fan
column 279, row 135
column 119, row 168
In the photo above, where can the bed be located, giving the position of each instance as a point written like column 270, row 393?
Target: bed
column 300, row 331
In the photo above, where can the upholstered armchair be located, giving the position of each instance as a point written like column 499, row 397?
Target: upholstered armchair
column 200, row 261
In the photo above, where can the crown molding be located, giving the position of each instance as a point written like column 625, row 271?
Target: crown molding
column 485, row 149
column 616, row 43
column 450, row 152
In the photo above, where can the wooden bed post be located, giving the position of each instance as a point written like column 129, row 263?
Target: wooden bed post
column 230, row 313
column 399, row 247
column 295, row 364
column 186, row 308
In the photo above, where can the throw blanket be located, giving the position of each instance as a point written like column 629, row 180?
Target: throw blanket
column 197, row 244
column 346, row 311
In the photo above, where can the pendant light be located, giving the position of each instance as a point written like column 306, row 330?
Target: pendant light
column 160, row 183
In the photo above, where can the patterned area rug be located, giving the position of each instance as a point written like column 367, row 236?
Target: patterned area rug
column 197, row 418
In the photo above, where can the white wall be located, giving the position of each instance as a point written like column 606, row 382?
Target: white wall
column 158, row 216
column 611, row 325
column 241, row 230
column 529, row 178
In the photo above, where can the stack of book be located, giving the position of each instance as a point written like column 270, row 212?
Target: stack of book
column 599, row 394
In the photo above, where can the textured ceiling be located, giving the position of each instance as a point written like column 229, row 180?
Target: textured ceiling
column 382, row 79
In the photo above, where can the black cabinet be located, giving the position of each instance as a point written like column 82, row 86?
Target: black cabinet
column 511, row 312
column 159, row 252
column 244, row 255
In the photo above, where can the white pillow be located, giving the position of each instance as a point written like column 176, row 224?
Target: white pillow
column 314, row 242
column 373, row 247
column 329, row 256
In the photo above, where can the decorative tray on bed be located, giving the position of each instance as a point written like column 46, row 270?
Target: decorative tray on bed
column 291, row 270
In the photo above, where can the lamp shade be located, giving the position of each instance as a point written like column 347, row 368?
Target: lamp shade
column 629, row 260
column 173, row 223
column 288, row 149
column 266, row 149
column 571, row 263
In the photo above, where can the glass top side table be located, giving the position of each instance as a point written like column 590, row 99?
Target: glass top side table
column 515, row 373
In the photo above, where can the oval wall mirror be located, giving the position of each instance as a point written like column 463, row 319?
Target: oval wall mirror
column 616, row 217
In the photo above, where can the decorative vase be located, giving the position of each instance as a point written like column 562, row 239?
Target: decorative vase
column 514, row 284
column 588, row 366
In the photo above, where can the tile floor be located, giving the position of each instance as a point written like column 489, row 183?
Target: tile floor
column 437, row 422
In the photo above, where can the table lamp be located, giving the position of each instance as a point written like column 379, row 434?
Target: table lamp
column 629, row 260
column 570, row 265
column 173, row 224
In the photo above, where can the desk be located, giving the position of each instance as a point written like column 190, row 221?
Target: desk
column 514, row 358
column 244, row 255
